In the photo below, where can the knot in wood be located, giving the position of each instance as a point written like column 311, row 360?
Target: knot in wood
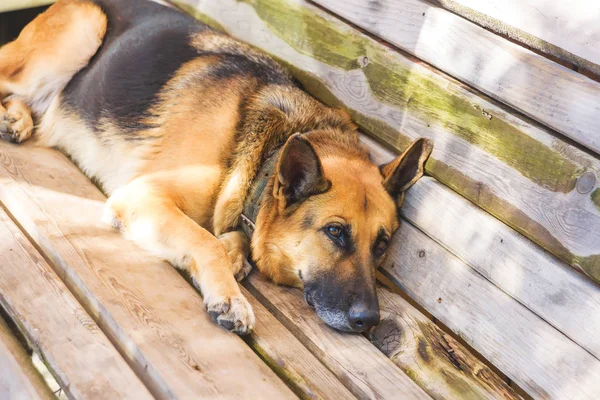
column 386, row 336
column 586, row 182
column 363, row 61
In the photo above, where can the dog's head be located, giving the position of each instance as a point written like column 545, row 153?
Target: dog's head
column 326, row 222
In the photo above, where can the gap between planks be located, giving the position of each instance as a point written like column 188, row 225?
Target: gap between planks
column 19, row 379
column 565, row 31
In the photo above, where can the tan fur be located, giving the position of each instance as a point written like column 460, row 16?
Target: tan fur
column 285, row 247
column 49, row 51
column 179, row 185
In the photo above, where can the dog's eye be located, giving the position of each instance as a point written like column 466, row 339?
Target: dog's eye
column 381, row 247
column 335, row 231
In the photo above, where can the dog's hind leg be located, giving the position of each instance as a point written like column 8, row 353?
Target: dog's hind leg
column 36, row 66
column 149, row 214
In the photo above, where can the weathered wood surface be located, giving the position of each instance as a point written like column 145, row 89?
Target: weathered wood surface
column 569, row 31
column 147, row 309
column 541, row 282
column 19, row 380
column 540, row 359
column 519, row 172
column 361, row 367
column 81, row 357
column 546, row 91
column 293, row 362
column 431, row 357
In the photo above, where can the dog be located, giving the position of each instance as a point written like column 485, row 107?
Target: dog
column 179, row 124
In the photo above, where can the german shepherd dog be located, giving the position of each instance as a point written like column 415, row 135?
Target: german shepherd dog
column 174, row 120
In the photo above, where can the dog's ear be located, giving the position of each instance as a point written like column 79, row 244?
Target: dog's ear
column 299, row 172
column 403, row 171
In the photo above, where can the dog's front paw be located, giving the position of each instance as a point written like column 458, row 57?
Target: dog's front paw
column 15, row 127
column 238, row 249
column 239, row 264
column 234, row 314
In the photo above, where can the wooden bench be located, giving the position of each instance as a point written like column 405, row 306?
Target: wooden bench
column 491, row 288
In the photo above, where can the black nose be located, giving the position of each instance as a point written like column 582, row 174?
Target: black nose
column 363, row 317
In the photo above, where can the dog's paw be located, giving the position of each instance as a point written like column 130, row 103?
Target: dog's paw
column 234, row 314
column 240, row 266
column 15, row 127
column 237, row 247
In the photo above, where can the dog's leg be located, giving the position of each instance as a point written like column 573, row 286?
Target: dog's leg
column 238, row 248
column 230, row 202
column 36, row 66
column 153, row 219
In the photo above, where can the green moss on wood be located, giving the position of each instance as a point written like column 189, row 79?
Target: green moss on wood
column 588, row 265
column 596, row 198
column 416, row 94
column 398, row 85
column 310, row 33
column 294, row 381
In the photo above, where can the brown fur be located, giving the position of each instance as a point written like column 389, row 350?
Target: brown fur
column 183, row 179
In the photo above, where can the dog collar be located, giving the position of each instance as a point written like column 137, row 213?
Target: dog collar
column 257, row 191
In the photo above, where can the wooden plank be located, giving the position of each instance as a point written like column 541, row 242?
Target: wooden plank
column 568, row 31
column 438, row 363
column 541, row 360
column 147, row 309
column 361, row 367
column 544, row 284
column 293, row 362
column 19, row 380
column 519, row 172
column 546, row 91
column 80, row 356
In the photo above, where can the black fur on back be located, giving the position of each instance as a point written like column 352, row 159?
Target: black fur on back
column 144, row 46
column 146, row 43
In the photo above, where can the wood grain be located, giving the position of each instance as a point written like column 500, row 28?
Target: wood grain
column 19, row 380
column 431, row 357
column 367, row 372
column 546, row 91
column 539, row 184
column 568, row 31
column 541, row 360
column 146, row 308
column 541, row 282
column 80, row 356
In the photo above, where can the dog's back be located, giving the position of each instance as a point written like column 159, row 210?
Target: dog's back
column 144, row 46
column 157, row 72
